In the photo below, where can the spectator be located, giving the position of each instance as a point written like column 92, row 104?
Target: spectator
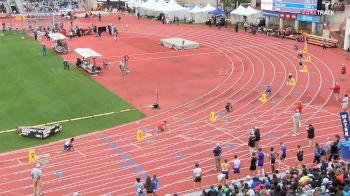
column 212, row 191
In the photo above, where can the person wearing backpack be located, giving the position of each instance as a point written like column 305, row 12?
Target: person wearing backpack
column 257, row 136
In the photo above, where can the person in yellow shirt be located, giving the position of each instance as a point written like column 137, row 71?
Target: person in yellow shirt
column 225, row 168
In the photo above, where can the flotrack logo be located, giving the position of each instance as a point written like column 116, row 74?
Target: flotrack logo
column 317, row 12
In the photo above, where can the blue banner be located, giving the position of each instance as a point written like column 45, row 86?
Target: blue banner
column 308, row 18
column 270, row 13
column 344, row 116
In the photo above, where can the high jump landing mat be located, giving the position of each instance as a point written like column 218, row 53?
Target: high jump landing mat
column 178, row 43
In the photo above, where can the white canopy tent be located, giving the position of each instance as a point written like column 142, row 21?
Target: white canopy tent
column 174, row 9
column 133, row 3
column 198, row 15
column 196, row 9
column 209, row 8
column 241, row 11
column 146, row 8
column 251, row 11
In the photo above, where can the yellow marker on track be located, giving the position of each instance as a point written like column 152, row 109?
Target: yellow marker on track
column 139, row 135
column 212, row 117
column 32, row 158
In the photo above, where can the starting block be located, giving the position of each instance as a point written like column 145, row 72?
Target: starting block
column 305, row 50
column 308, row 59
column 139, row 135
column 32, row 157
column 212, row 117
column 305, row 69
column 263, row 98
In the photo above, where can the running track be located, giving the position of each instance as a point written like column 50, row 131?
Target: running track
column 110, row 160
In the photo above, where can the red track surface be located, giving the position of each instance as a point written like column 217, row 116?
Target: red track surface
column 110, row 160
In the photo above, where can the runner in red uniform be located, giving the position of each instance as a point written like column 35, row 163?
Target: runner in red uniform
column 342, row 72
column 336, row 91
column 162, row 126
column 298, row 106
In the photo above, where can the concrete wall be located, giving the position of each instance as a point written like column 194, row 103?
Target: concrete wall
column 347, row 35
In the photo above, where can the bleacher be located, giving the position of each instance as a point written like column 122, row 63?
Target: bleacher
column 317, row 40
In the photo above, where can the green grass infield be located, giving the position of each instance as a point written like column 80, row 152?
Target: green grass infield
column 36, row 90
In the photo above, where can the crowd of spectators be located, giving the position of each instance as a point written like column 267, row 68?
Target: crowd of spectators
column 2, row 8
column 326, row 178
column 42, row 6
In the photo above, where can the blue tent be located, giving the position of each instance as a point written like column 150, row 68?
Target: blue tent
column 217, row 12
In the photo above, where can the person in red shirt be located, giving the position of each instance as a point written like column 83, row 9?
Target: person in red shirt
column 298, row 106
column 336, row 91
column 342, row 72
column 162, row 126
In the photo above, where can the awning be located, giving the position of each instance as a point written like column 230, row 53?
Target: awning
column 57, row 36
column 87, row 52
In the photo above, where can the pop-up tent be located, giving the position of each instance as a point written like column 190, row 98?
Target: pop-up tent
column 198, row 15
column 217, row 12
column 251, row 11
column 209, row 8
column 241, row 11
column 172, row 9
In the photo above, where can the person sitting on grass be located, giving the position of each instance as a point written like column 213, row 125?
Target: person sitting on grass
column 162, row 126
column 68, row 145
